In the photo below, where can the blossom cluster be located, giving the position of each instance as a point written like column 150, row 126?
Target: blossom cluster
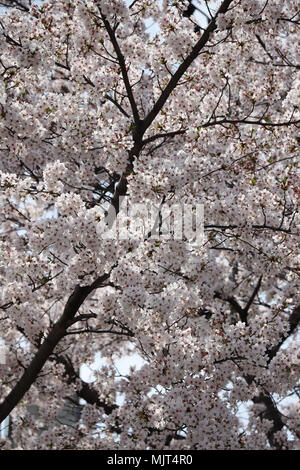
column 94, row 105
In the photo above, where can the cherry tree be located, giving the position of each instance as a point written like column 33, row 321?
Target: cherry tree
column 95, row 105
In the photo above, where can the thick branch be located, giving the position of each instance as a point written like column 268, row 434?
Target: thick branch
column 271, row 411
column 142, row 126
column 294, row 321
column 272, row 414
column 56, row 334
column 184, row 66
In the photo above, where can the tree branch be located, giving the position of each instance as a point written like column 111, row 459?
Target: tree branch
column 294, row 321
column 272, row 414
column 184, row 66
column 123, row 68
column 58, row 331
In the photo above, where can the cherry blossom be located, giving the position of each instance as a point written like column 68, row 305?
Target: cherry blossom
column 95, row 106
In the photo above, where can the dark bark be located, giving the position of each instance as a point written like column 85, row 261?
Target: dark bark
column 46, row 349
